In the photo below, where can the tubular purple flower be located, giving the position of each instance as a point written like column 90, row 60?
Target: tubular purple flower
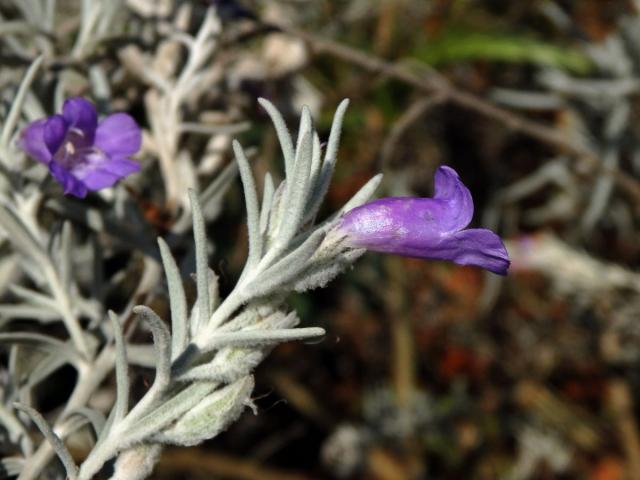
column 81, row 154
column 427, row 227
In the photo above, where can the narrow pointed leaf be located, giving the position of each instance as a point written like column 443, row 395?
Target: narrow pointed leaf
column 66, row 245
column 202, row 263
column 283, row 135
column 35, row 298
column 177, row 300
column 20, row 235
column 168, row 411
column 305, row 126
column 65, row 457
column 287, row 268
column 43, row 342
column 260, row 338
column 211, row 416
column 297, row 190
column 162, row 344
column 267, row 203
column 122, row 371
column 16, row 106
column 251, row 201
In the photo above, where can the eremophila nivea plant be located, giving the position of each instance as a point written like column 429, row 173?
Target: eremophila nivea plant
column 204, row 354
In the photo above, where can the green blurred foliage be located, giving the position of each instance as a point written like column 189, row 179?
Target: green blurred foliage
column 458, row 45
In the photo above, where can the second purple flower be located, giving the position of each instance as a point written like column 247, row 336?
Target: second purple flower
column 81, row 154
column 427, row 227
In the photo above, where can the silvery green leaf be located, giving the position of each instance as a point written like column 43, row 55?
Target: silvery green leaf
column 202, row 264
column 212, row 415
column 177, row 301
column 213, row 282
column 34, row 298
column 321, row 273
column 65, row 266
column 168, row 411
column 261, row 338
column 316, row 162
column 305, row 127
column 63, row 454
column 228, row 365
column 314, row 200
column 231, row 363
column 122, row 371
column 26, row 311
column 106, row 430
column 251, row 203
column 162, row 344
column 274, row 321
column 44, row 343
column 286, row 269
column 19, row 234
column 278, row 206
column 267, row 203
column 248, row 316
column 297, row 190
column 283, row 135
column 16, row 106
column 330, row 156
column 213, row 295
column 8, row 268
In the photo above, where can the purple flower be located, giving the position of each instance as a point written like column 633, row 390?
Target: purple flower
column 81, row 154
column 427, row 227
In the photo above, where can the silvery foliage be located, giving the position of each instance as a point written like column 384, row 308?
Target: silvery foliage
column 203, row 363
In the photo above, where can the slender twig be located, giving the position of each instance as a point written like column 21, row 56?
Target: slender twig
column 414, row 113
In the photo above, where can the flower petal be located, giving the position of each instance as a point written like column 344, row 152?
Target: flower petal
column 426, row 227
column 394, row 224
column 81, row 115
column 118, row 134
column 32, row 141
column 450, row 190
column 477, row 246
column 69, row 182
column 55, row 129
column 99, row 171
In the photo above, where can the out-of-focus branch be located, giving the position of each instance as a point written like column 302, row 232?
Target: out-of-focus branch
column 414, row 113
column 620, row 402
column 211, row 463
column 437, row 84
